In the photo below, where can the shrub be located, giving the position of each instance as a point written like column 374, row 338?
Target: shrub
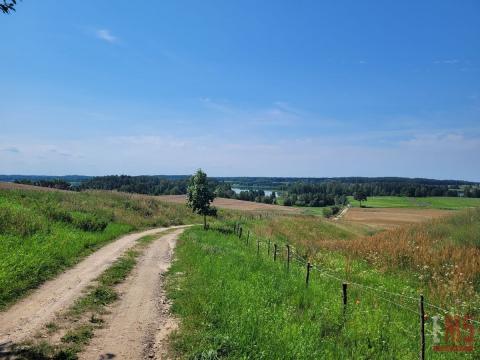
column 16, row 220
column 87, row 222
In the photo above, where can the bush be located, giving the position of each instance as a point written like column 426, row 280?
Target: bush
column 16, row 220
column 327, row 212
column 331, row 211
column 87, row 222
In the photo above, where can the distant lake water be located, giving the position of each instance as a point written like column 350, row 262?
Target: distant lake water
column 267, row 192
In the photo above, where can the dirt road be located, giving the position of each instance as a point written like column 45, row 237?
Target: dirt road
column 139, row 323
column 23, row 319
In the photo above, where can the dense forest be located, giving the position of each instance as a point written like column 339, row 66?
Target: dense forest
column 53, row 183
column 333, row 193
column 293, row 191
column 149, row 185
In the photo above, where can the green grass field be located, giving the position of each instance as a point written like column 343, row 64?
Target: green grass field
column 235, row 304
column 44, row 232
column 446, row 203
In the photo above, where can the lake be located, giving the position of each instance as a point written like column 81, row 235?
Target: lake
column 267, row 192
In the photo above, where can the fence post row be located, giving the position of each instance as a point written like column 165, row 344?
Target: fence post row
column 238, row 229
column 288, row 257
column 308, row 274
column 344, row 290
column 422, row 328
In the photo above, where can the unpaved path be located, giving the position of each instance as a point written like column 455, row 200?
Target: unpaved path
column 139, row 323
column 342, row 213
column 23, row 319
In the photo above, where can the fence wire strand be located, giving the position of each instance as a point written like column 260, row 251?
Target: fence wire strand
column 299, row 259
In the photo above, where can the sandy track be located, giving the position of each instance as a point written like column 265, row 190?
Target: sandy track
column 139, row 323
column 24, row 318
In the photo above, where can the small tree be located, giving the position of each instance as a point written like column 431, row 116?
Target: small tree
column 360, row 196
column 200, row 196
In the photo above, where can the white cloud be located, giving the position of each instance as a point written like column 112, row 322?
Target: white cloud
column 106, row 35
column 11, row 149
column 447, row 61
column 441, row 155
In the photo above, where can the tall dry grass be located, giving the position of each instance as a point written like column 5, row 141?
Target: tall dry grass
column 444, row 254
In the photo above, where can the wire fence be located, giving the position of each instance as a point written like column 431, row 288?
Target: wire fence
column 413, row 305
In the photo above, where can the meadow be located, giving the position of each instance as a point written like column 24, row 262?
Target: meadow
column 441, row 255
column 440, row 202
column 44, row 232
column 237, row 304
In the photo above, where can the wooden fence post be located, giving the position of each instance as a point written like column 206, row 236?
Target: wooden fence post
column 268, row 252
column 308, row 274
column 258, row 247
column 274, row 252
column 422, row 328
column 288, row 257
column 344, row 290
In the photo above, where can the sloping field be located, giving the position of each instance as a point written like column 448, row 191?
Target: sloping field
column 13, row 186
column 436, row 202
column 233, row 204
column 387, row 218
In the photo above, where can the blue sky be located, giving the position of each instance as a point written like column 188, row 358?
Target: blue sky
column 266, row 88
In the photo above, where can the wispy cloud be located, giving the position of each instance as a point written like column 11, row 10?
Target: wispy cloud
column 447, row 61
column 11, row 149
column 106, row 35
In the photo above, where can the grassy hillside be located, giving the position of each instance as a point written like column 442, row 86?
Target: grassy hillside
column 441, row 255
column 43, row 232
column 444, row 254
column 448, row 203
column 236, row 304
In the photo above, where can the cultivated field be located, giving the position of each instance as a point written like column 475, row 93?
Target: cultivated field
column 386, row 218
column 233, row 204
column 445, row 203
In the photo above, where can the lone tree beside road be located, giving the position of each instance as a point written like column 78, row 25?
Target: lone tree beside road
column 360, row 196
column 200, row 196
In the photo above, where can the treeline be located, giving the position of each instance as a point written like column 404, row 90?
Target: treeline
column 315, row 192
column 334, row 193
column 148, row 185
column 54, row 184
column 283, row 182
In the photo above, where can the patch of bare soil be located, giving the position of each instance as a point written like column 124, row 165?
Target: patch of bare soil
column 234, row 204
column 387, row 218
column 138, row 325
column 26, row 317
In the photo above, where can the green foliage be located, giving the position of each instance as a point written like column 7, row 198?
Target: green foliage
column 331, row 211
column 44, row 232
column 200, row 196
column 237, row 305
column 8, row 6
column 360, row 196
column 446, row 203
